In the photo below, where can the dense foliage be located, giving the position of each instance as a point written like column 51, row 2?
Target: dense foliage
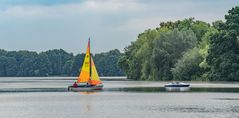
column 55, row 63
column 107, row 63
column 186, row 50
column 224, row 49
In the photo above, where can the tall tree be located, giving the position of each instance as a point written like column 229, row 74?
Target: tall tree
column 169, row 47
column 223, row 56
column 187, row 68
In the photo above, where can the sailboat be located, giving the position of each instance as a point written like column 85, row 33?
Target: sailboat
column 88, row 78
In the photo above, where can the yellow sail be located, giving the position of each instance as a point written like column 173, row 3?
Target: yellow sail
column 94, row 75
column 85, row 70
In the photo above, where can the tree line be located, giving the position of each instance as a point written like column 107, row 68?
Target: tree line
column 55, row 62
column 186, row 49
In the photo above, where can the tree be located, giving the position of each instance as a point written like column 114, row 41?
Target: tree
column 25, row 61
column 58, row 58
column 11, row 66
column 106, row 63
column 3, row 52
column 169, row 47
column 223, row 56
column 67, row 67
column 42, row 65
column 187, row 68
column 3, row 65
column 219, row 24
column 200, row 28
column 76, row 64
column 138, row 53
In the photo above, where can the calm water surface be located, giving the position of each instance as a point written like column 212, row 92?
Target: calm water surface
column 48, row 98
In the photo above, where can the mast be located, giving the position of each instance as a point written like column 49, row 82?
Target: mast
column 90, row 56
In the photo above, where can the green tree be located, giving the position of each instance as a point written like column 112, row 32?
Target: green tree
column 200, row 28
column 42, row 65
column 3, row 65
column 26, row 68
column 58, row 58
column 169, row 47
column 139, row 52
column 223, row 56
column 219, row 24
column 76, row 64
column 106, row 63
column 11, row 66
column 25, row 62
column 3, row 52
column 187, row 68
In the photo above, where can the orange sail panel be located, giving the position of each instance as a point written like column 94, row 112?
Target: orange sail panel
column 94, row 75
column 85, row 70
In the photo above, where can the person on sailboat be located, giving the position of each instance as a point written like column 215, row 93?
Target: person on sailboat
column 75, row 85
column 88, row 83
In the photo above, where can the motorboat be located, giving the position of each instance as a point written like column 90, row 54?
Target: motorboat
column 177, row 84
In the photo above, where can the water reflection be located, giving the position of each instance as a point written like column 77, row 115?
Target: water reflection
column 177, row 89
column 88, row 108
column 171, row 89
column 136, row 89
column 88, row 92
column 227, row 99
column 17, row 90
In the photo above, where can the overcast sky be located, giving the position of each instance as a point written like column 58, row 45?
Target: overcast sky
column 40, row 25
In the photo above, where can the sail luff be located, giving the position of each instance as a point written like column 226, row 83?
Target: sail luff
column 85, row 70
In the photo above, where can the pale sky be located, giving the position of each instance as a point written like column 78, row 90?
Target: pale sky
column 40, row 25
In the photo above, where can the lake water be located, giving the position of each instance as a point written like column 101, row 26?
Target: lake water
column 48, row 98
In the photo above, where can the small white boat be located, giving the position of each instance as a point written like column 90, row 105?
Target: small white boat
column 177, row 87
column 177, row 84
